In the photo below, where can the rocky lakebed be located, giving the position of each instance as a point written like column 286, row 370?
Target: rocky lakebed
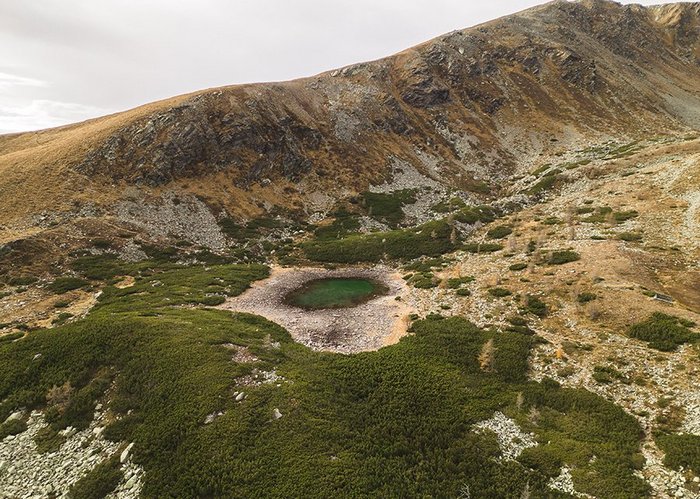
column 378, row 320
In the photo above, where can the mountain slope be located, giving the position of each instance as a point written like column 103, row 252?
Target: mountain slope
column 475, row 104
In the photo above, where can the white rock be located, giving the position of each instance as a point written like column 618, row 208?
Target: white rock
column 131, row 483
column 240, row 396
column 14, row 415
column 276, row 414
column 68, row 432
column 125, row 454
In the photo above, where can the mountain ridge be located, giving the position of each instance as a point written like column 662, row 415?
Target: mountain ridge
column 469, row 109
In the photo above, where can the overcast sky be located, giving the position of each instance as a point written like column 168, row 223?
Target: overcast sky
column 63, row 61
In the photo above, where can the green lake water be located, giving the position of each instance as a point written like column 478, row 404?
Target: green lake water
column 335, row 293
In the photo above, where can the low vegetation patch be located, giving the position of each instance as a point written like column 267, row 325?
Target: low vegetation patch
column 98, row 482
column 430, row 239
column 562, row 257
column 607, row 374
column 597, row 215
column 536, row 306
column 630, row 236
column 65, row 284
column 482, row 247
column 680, row 451
column 544, row 184
column 22, row 280
column 449, row 206
column 473, row 214
column 48, row 440
column 623, row 216
column 12, row 427
column 387, row 207
column 499, row 232
column 499, row 292
column 663, row 332
column 458, row 282
column 423, row 280
column 518, row 324
column 586, row 297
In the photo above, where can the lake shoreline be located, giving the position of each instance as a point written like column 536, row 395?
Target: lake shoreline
column 378, row 322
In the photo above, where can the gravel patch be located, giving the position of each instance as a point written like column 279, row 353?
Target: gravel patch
column 25, row 473
column 511, row 439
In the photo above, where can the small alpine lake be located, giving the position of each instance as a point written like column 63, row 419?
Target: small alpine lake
column 335, row 293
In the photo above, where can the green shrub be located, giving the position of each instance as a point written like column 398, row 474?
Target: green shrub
column 499, row 292
column 586, row 297
column 606, row 374
column 343, row 224
column 388, row 206
column 562, row 257
column 482, row 247
column 546, row 183
column 518, row 266
column 98, row 482
column 62, row 317
column 600, row 215
column 101, row 243
column 630, row 236
column 663, row 332
column 681, row 450
column 11, row 336
column 212, row 301
column 536, row 306
column 544, row 459
column 499, row 232
column 473, row 214
column 65, row 284
column 457, row 282
column 425, row 280
column 622, row 216
column 518, row 325
column 430, row 239
column 48, row 440
column 449, row 206
column 22, row 281
column 12, row 427
column 463, row 292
